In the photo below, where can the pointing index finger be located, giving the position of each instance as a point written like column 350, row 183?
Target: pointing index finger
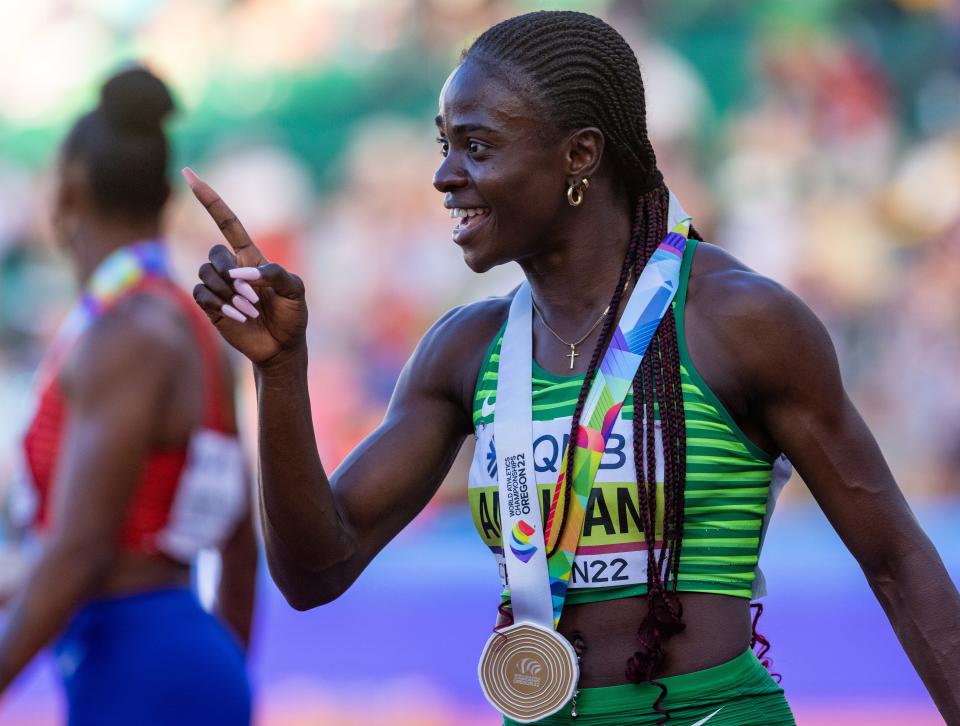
column 230, row 226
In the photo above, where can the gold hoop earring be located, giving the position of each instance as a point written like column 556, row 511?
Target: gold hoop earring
column 575, row 192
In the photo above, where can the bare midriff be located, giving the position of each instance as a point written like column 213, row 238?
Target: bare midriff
column 134, row 572
column 718, row 629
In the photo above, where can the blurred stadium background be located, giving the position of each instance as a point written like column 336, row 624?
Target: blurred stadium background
column 817, row 139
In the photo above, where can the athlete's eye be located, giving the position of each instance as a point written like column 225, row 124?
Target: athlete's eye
column 475, row 147
column 444, row 147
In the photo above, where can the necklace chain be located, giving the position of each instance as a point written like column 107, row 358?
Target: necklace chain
column 557, row 335
column 573, row 346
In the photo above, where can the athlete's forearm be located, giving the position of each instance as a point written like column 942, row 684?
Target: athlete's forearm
column 304, row 531
column 923, row 606
column 238, row 580
column 234, row 608
column 63, row 577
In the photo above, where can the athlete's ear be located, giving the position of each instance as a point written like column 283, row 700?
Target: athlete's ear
column 583, row 150
column 71, row 189
column 68, row 204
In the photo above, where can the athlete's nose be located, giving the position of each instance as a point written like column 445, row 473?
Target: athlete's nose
column 449, row 176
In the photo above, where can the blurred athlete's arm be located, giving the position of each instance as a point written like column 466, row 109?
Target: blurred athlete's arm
column 111, row 426
column 239, row 556
column 16, row 559
column 321, row 532
column 800, row 400
column 238, row 579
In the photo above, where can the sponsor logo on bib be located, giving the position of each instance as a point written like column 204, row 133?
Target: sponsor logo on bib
column 492, row 461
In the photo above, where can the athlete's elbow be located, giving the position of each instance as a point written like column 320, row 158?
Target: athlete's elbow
column 300, row 600
column 306, row 596
column 305, row 589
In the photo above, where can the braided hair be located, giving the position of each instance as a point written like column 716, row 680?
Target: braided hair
column 580, row 72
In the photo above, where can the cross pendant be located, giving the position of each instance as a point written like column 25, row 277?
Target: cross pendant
column 573, row 354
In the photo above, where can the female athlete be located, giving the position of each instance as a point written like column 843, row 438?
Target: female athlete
column 131, row 463
column 651, row 533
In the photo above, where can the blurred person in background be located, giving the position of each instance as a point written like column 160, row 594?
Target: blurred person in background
column 132, row 463
column 546, row 162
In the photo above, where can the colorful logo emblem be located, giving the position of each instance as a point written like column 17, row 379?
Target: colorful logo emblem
column 520, row 541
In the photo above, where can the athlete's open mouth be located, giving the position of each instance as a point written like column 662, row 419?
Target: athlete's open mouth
column 468, row 216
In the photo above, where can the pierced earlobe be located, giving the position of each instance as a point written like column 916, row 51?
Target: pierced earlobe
column 575, row 191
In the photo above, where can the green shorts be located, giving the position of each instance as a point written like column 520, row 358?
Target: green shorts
column 739, row 692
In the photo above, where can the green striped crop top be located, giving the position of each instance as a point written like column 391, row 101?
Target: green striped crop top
column 731, row 485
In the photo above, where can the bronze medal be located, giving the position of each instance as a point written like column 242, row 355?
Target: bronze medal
column 528, row 672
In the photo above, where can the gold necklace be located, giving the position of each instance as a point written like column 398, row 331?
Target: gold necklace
column 573, row 346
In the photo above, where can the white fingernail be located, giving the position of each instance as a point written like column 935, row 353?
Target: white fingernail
column 244, row 306
column 234, row 314
column 190, row 175
column 248, row 292
column 245, row 273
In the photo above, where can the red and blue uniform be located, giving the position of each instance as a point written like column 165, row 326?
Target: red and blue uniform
column 153, row 657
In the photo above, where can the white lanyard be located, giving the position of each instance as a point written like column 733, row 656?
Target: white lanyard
column 521, row 521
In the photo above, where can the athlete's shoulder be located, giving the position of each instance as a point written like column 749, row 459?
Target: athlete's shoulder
column 149, row 318
column 730, row 290
column 475, row 321
column 768, row 329
column 143, row 335
column 451, row 352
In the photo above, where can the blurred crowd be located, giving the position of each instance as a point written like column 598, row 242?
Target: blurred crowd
column 818, row 141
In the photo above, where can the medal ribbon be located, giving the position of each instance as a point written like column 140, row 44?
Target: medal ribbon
column 117, row 274
column 525, row 545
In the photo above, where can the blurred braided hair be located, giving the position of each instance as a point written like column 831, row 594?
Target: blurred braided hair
column 582, row 73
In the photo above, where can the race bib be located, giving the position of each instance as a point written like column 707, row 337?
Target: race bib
column 211, row 496
column 612, row 550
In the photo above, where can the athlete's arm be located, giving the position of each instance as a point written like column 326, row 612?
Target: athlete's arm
column 799, row 398
column 239, row 556
column 114, row 386
column 321, row 532
column 238, row 579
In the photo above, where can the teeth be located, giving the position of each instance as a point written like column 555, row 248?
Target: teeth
column 471, row 212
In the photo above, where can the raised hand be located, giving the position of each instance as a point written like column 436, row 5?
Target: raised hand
column 258, row 307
